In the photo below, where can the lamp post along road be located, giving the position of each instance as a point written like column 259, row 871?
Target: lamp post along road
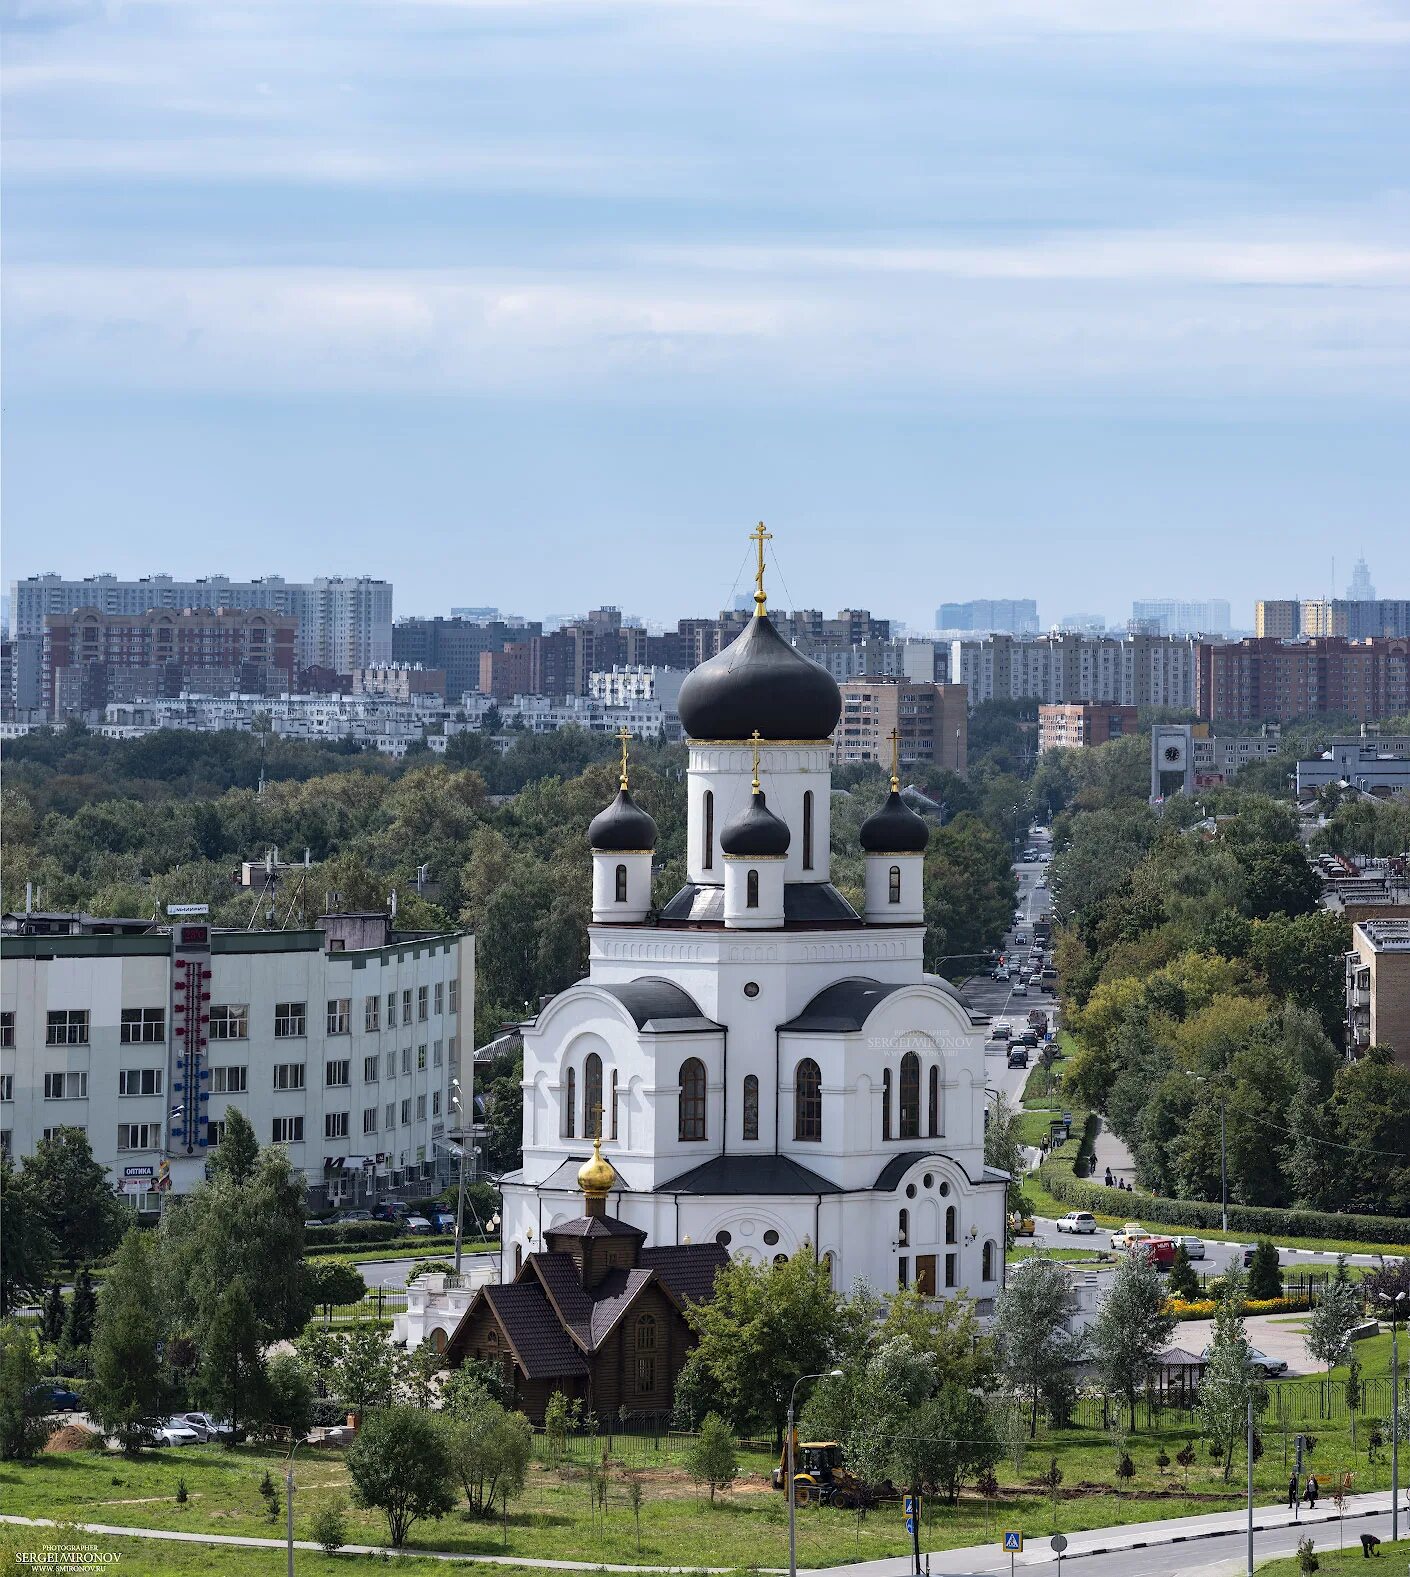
column 789, row 1487
column 460, row 1189
column 1398, row 1312
column 289, row 1502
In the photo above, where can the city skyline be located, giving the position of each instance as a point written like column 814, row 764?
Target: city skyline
column 435, row 294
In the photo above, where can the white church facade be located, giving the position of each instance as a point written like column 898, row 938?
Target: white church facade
column 771, row 1070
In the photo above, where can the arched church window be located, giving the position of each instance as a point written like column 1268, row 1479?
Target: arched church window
column 692, row 1099
column 570, row 1103
column 986, row 1271
column 621, row 884
column 646, row 1354
column 934, row 1128
column 751, row 890
column 952, row 1225
column 910, row 1096
column 707, row 852
column 903, row 1229
column 614, row 1103
column 807, row 1101
column 886, row 1103
column 751, row 1107
column 808, row 830
column 894, row 883
column 592, row 1096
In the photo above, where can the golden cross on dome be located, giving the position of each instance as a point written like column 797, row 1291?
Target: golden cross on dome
column 895, row 761
column 754, row 740
column 624, row 735
column 597, row 1123
column 760, row 536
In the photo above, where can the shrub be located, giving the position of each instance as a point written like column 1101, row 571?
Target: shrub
column 351, row 1232
column 181, row 1492
column 330, row 1527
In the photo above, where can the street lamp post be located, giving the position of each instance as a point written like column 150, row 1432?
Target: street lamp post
column 460, row 1189
column 1397, row 1313
column 788, row 1474
column 289, row 1499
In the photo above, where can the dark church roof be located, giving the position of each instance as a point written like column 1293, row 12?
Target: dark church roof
column 688, row 1270
column 657, row 1004
column 541, row 1344
column 624, row 827
column 894, row 829
column 755, row 831
column 759, row 682
column 843, row 1008
column 804, row 903
column 748, row 1174
column 594, row 1227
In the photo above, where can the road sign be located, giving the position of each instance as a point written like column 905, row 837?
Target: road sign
column 1298, row 1468
column 1058, row 1543
column 908, row 1505
column 1013, row 1540
column 910, row 1524
column 187, row 908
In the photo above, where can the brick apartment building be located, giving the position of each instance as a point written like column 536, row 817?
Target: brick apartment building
column 91, row 658
column 1075, row 726
column 1266, row 680
column 1378, row 987
column 931, row 720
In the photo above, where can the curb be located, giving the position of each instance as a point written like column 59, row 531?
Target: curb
column 1220, row 1533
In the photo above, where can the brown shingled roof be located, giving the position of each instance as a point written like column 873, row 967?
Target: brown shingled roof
column 540, row 1343
column 686, row 1270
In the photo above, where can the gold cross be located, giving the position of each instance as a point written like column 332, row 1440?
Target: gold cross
column 597, row 1120
column 760, row 536
column 754, row 740
column 624, row 735
column 895, row 761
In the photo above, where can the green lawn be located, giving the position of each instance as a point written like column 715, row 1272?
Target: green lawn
column 439, row 1246
column 1334, row 1562
column 1088, row 1256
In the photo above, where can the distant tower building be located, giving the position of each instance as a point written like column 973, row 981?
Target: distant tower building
column 1360, row 588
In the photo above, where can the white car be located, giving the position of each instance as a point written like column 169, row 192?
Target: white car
column 1260, row 1361
column 1077, row 1221
column 416, row 1224
column 1020, row 988
column 1193, row 1247
column 206, row 1427
column 168, row 1432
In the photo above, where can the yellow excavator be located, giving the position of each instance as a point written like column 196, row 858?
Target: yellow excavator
column 819, row 1478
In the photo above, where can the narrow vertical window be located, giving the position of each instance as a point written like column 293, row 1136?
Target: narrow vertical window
column 592, row 1096
column 952, row 1225
column 614, row 1103
column 621, row 884
column 886, row 1103
column 935, row 1101
column 751, row 1107
column 895, row 884
column 986, row 1271
column 707, row 852
column 692, row 1099
column 570, row 1103
column 910, row 1096
column 903, row 1229
column 807, row 1101
column 808, row 830
column 751, row 890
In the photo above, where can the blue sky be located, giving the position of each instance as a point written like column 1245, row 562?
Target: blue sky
column 543, row 304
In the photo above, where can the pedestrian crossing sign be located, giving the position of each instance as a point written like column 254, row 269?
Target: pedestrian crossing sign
column 909, row 1506
column 1013, row 1540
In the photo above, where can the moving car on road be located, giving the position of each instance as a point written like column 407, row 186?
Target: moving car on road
column 1260, row 1362
column 1193, row 1247
column 1080, row 1222
column 1021, row 1225
column 1156, row 1251
column 1125, row 1236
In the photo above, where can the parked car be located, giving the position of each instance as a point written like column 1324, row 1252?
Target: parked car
column 206, row 1427
column 1080, row 1222
column 1125, row 1236
column 346, row 1217
column 391, row 1210
column 55, row 1398
column 167, row 1432
column 443, row 1221
column 416, row 1224
column 1193, row 1247
column 1018, row 1056
column 1260, row 1361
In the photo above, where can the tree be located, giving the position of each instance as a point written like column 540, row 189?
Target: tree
column 83, row 1217
column 711, row 1458
column 51, row 1317
column 400, row 1465
column 764, row 1326
column 1182, row 1281
column 366, row 1370
column 1036, row 1349
column 236, row 1155
column 333, row 1282
column 1229, row 1384
column 1130, row 1330
column 127, row 1380
column 26, row 1244
column 330, row 1527
column 82, row 1312
column 1331, row 1321
column 871, row 1406
column 289, row 1393
column 23, row 1429
column 231, row 1379
column 1265, row 1275
column 960, row 1437
column 1002, row 1149
column 490, row 1447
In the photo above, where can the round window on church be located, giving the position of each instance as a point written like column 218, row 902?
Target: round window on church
column 929, row 1179
column 724, row 1239
column 771, row 1237
column 751, row 988
column 780, row 1259
column 910, row 1190
column 944, row 1188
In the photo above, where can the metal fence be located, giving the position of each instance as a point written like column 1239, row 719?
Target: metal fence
column 643, row 1440
column 1295, row 1402
column 378, row 1303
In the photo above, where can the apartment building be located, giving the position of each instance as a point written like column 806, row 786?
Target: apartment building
column 1378, row 987
column 456, row 645
column 339, row 1044
column 1264, row 680
column 1006, row 615
column 1314, row 617
column 931, row 721
column 1077, row 726
column 90, row 658
column 1174, row 616
column 1067, row 667
column 399, row 681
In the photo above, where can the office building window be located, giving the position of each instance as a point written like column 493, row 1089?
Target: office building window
column 420, row 1058
column 435, row 1103
column 335, row 1125
column 288, row 1075
column 437, row 1054
column 371, row 1013
column 369, row 1069
column 340, row 1016
column 7, row 1029
column 454, row 995
column 406, row 1059
column 138, row 1136
column 230, row 1021
column 287, row 1130
column 67, row 1027
column 337, row 1073
column 391, row 1115
column 140, row 1081
column 369, row 1119
column 69, row 1086
column 391, row 1064
column 421, row 1108
column 53, row 1133
column 406, row 1007
column 423, row 994
column 215, row 1132
column 232, row 1079
column 7, row 1086
column 290, row 1020
column 406, row 1111
column 142, row 1026
column 391, row 1010
column 440, row 998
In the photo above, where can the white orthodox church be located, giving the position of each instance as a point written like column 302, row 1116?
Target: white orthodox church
column 772, row 1071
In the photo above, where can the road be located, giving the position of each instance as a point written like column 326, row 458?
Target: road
column 393, row 1272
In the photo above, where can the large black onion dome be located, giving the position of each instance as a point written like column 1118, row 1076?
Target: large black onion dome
column 624, row 827
column 894, row 829
column 759, row 681
column 755, row 832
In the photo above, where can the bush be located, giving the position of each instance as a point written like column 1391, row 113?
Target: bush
column 351, row 1232
column 330, row 1527
column 1255, row 1220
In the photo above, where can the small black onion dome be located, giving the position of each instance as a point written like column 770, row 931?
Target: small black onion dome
column 894, row 829
column 756, row 831
column 759, row 681
column 623, row 827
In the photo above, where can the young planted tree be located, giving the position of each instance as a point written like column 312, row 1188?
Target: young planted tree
column 1182, row 1282
column 1265, row 1274
column 127, row 1379
column 23, row 1429
column 1130, row 1331
column 1329, row 1325
column 230, row 1380
column 711, row 1458
column 1036, row 1349
column 51, row 1316
column 26, row 1244
column 82, row 1312
column 400, row 1464
column 490, row 1447
column 1229, row 1384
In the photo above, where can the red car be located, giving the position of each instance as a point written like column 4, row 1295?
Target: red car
column 1159, row 1252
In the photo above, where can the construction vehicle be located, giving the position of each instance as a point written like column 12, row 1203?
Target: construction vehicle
column 820, row 1479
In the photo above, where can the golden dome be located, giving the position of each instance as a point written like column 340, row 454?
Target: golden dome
column 598, row 1176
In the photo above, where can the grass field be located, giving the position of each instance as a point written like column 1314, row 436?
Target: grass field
column 1332, row 1562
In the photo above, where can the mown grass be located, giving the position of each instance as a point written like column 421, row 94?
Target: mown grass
column 1334, row 1562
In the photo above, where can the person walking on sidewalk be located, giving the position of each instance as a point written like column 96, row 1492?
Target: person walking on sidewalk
column 1312, row 1492
column 1293, row 1496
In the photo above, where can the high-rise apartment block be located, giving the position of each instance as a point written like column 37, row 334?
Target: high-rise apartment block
column 343, row 622
column 455, row 646
column 1286, row 620
column 1130, row 670
column 1171, row 616
column 931, row 722
column 1263, row 680
column 1079, row 725
column 1006, row 615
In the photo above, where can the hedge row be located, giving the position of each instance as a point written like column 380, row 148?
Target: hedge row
column 1255, row 1220
column 352, row 1232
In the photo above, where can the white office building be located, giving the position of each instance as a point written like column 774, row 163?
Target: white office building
column 339, row 1043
